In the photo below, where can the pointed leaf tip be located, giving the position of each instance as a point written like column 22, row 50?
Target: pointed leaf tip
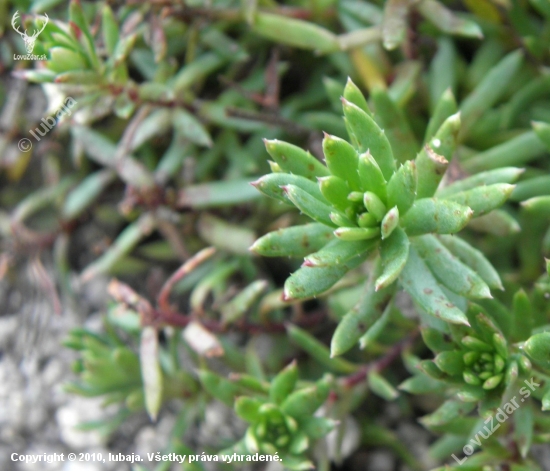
column 420, row 283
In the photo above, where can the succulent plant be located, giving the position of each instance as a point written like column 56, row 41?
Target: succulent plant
column 111, row 369
column 172, row 100
column 477, row 366
column 283, row 423
column 479, row 362
column 374, row 205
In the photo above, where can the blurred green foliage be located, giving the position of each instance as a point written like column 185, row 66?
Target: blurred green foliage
column 146, row 177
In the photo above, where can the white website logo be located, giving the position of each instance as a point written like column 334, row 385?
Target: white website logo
column 30, row 41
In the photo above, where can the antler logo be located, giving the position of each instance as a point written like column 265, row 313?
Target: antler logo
column 30, row 41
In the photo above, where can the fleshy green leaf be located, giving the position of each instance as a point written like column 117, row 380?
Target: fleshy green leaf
column 538, row 348
column 238, row 306
column 522, row 315
column 191, row 128
column 295, row 241
column 448, row 411
column 473, row 343
column 436, row 340
column 433, row 215
column 81, row 197
column 220, row 388
column 217, row 194
column 445, row 139
column 449, row 270
column 309, row 205
column 422, row 384
column 102, row 150
column 299, row 443
column 334, row 90
column 515, row 151
column 395, row 124
column 354, row 95
column 394, row 23
column 430, row 170
column 370, row 137
column 272, row 185
column 221, row 234
column 493, row 382
column 546, row 401
column 376, row 329
column 389, row 223
column 371, row 176
column 335, row 190
column 423, row 288
column 394, row 252
column 374, row 205
column 295, row 160
column 283, row 384
column 469, row 393
column 474, row 259
column 357, row 321
column 381, row 387
column 402, row 187
column 483, row 199
column 450, row 362
column 317, row 427
column 109, row 29
column 319, row 351
column 537, row 186
column 294, row 32
column 430, row 368
column 445, row 107
column 491, row 88
column 150, row 371
column 447, row 21
column 304, row 402
column 499, row 175
column 339, row 251
column 296, row 463
column 123, row 244
column 356, row 233
column 500, row 344
column 311, row 281
column 247, row 408
column 341, row 159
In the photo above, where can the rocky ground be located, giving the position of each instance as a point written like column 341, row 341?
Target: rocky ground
column 36, row 415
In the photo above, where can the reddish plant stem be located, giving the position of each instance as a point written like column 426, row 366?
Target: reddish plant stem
column 177, row 319
column 163, row 297
column 381, row 363
column 164, row 315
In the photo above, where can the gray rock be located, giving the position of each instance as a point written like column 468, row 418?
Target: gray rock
column 76, row 411
column 380, row 461
column 8, row 328
column 153, row 438
column 541, row 453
